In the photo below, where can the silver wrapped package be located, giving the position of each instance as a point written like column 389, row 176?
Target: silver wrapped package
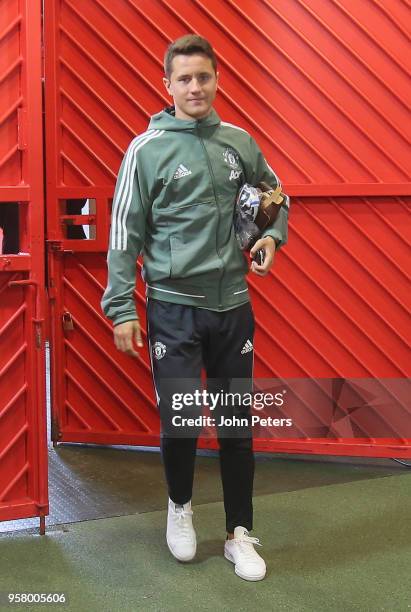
column 245, row 212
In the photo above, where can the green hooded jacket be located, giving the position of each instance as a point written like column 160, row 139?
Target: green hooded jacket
column 174, row 203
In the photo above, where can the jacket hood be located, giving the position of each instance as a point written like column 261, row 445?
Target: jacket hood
column 166, row 120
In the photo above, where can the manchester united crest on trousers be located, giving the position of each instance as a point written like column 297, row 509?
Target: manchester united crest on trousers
column 159, row 350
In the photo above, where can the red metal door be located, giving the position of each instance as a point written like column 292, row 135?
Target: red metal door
column 23, row 446
column 322, row 85
column 98, row 395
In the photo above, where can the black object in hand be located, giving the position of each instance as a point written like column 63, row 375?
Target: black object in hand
column 259, row 257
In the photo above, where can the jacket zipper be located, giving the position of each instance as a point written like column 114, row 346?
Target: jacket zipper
column 219, row 213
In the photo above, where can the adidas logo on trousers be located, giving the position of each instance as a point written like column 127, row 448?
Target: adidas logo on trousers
column 247, row 347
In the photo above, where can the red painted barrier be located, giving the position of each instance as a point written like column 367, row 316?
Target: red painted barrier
column 326, row 99
column 23, row 447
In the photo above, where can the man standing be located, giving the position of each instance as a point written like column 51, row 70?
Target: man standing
column 174, row 203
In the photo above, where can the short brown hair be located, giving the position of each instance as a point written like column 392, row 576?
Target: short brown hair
column 189, row 44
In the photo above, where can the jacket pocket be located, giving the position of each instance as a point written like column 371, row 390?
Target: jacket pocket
column 192, row 241
column 178, row 257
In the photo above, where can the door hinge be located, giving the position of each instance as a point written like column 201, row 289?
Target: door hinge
column 51, row 289
column 37, row 331
column 55, row 430
column 21, row 129
column 55, row 245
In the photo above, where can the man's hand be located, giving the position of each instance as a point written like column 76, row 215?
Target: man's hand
column 126, row 336
column 268, row 245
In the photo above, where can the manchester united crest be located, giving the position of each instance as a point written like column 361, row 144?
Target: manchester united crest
column 159, row 350
column 231, row 158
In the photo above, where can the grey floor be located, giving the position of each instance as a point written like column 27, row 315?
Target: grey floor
column 93, row 482
column 335, row 532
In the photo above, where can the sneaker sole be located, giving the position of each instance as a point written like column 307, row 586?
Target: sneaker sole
column 251, row 578
column 182, row 559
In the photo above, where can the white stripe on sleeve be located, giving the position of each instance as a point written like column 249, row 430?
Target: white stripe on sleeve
column 123, row 199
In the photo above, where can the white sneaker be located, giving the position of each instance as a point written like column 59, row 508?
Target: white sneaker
column 240, row 551
column 181, row 537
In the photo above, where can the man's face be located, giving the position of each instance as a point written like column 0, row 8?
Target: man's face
column 193, row 85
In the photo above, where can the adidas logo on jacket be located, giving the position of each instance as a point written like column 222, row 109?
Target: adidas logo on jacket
column 181, row 171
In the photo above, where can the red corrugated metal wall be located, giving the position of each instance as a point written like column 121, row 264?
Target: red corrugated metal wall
column 23, row 451
column 323, row 86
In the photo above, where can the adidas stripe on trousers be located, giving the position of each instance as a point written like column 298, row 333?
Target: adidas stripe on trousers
column 183, row 340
